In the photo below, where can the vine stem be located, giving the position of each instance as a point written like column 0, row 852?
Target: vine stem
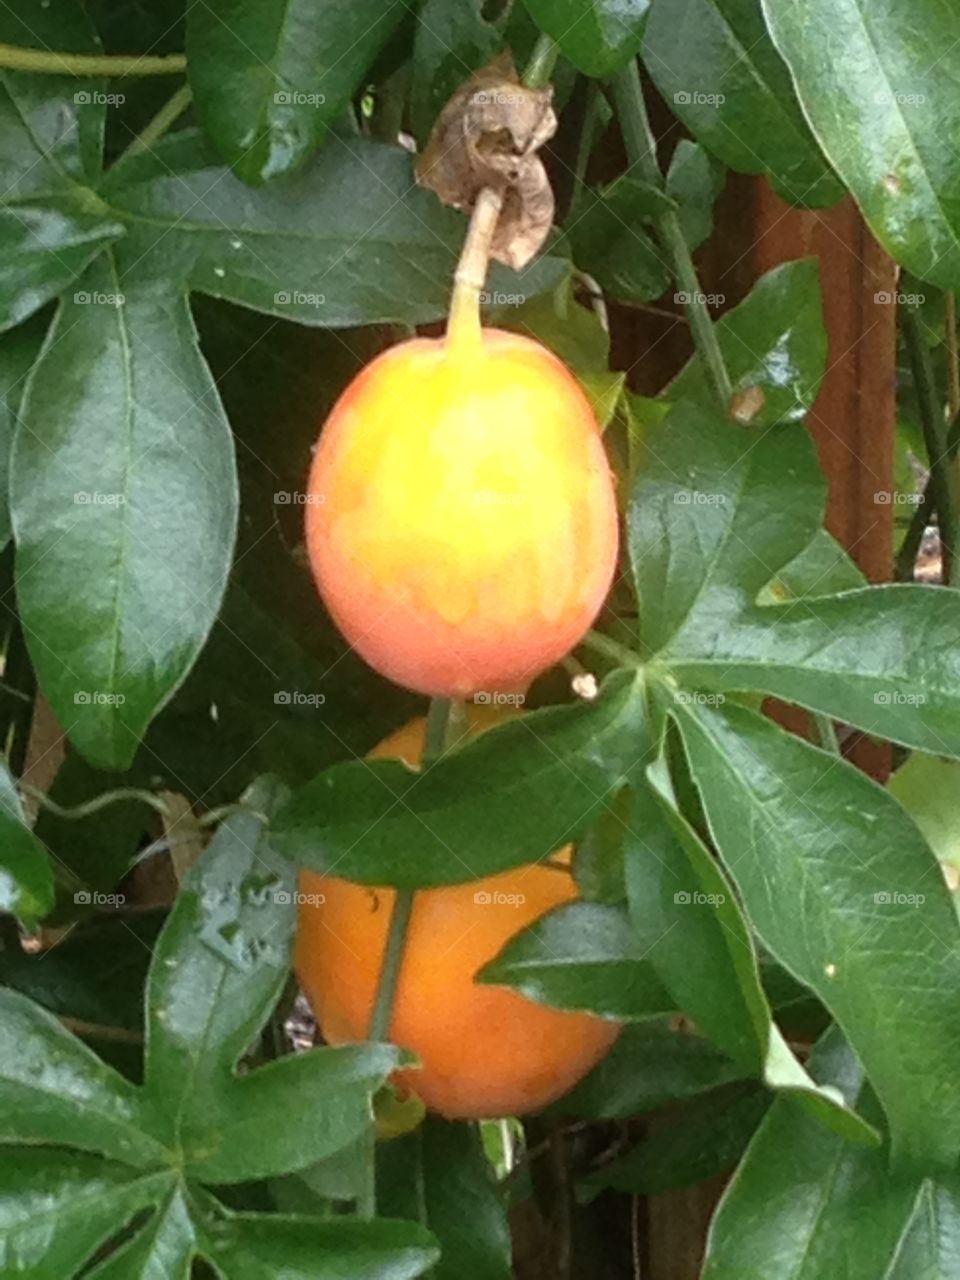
column 539, row 69
column 934, row 434
column 46, row 61
column 438, row 720
column 642, row 153
column 155, row 129
column 610, row 648
column 923, row 514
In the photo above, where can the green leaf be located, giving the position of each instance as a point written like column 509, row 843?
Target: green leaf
column 351, row 241
column 822, row 568
column 26, row 880
column 464, row 1207
column 18, row 351
column 123, row 488
column 929, row 790
column 54, row 1089
column 453, row 39
column 57, row 1206
column 710, row 519
column 163, row 1250
column 807, row 1205
column 544, row 778
column 705, row 1140
column 775, row 340
column 260, row 1247
column 608, row 241
column 51, row 137
column 842, row 889
column 881, row 114
column 649, row 1066
column 715, row 65
column 903, row 685
column 694, row 181
column 218, row 969
column 268, row 80
column 598, row 36
column 582, row 956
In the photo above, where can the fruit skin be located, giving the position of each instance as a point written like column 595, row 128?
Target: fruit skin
column 486, row 1051
column 461, row 522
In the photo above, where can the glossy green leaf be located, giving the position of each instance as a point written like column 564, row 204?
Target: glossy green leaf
column 453, row 39
column 707, row 1139
column 929, row 790
column 598, row 36
column 218, row 968
column 694, row 181
column 54, row 1089
column 465, row 1209
column 882, row 109
column 269, row 80
column 123, row 488
column 51, row 135
column 775, row 340
column 598, row 858
column 260, row 1247
column 903, row 685
column 545, row 778
column 822, row 568
column 163, row 1250
column 57, row 1206
column 715, row 65
column 26, row 879
column 351, row 241
column 807, row 1205
column 650, row 1065
column 710, row 518
column 610, row 243
column 582, row 956
column 842, row 889
column 18, row 350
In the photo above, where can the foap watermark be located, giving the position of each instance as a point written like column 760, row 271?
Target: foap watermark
column 297, row 98
column 694, row 898
column 295, row 498
column 299, row 298
column 96, row 499
column 294, row 698
column 94, row 898
column 497, row 299
column 93, row 98
column 695, row 98
column 694, row 498
column 494, row 698
column 284, row 898
column 684, row 299
column 897, row 698
column 97, row 698
column 85, row 298
column 884, row 298
column 693, row 698
column 884, row 498
column 486, row 898
column 498, row 98
column 894, row 898
column 898, row 98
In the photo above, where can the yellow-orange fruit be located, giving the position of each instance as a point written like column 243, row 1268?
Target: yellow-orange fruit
column 486, row 1051
column 461, row 521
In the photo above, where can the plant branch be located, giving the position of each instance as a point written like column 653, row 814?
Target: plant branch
column 923, row 514
column 539, row 69
column 47, row 62
column 942, row 485
column 642, row 153
column 155, row 129
column 435, row 741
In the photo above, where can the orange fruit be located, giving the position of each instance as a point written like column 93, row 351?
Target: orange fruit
column 461, row 517
column 485, row 1051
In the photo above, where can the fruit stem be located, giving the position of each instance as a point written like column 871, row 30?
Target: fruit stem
column 642, row 153
column 611, row 648
column 463, row 327
column 45, row 61
column 438, row 719
column 168, row 115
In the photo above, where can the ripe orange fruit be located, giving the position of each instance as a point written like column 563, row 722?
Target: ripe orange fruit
column 462, row 522
column 486, row 1051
